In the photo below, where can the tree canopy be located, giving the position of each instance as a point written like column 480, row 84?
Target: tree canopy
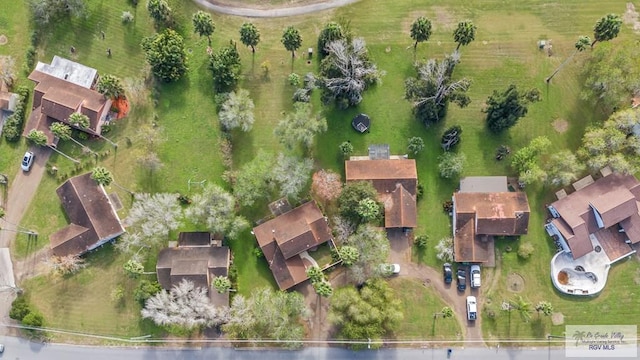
column 160, row 12
column 102, row 176
column 267, row 314
column 505, row 108
column 369, row 313
column 433, row 87
column 451, row 164
column 291, row 40
column 203, row 24
column 527, row 160
column 166, row 54
column 332, row 31
column 47, row 11
column 420, row 31
column 216, row 209
column 250, row 35
column 110, row 86
column 346, row 72
column 351, row 196
column 300, row 127
column 464, row 33
column 237, row 111
column 225, row 67
column 373, row 249
column 292, row 174
column 607, row 28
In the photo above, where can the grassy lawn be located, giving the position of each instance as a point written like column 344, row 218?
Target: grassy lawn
column 504, row 52
column 82, row 302
column 420, row 303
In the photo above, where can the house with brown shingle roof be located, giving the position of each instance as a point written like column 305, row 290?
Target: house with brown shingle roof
column 55, row 98
column 286, row 240
column 600, row 216
column 94, row 220
column 198, row 258
column 396, row 180
column 482, row 209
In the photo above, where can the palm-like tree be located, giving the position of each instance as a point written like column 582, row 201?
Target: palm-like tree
column 580, row 45
column 292, row 41
column 445, row 313
column 81, row 121
column 465, row 33
column 523, row 307
column 544, row 307
column 607, row 28
column 102, row 176
column 420, row 31
column 203, row 24
column 110, row 86
column 63, row 132
column 250, row 35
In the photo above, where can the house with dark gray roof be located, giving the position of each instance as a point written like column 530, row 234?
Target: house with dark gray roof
column 198, row 258
column 395, row 178
column 286, row 240
column 484, row 208
column 602, row 215
column 56, row 97
column 94, row 220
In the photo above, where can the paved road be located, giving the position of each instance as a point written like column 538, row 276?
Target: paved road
column 273, row 13
column 20, row 349
column 22, row 189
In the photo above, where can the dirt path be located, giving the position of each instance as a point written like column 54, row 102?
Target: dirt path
column 272, row 13
column 21, row 191
column 401, row 254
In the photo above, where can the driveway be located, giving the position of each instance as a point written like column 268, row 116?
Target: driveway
column 401, row 254
column 21, row 191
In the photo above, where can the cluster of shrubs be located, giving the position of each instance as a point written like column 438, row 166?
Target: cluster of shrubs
column 22, row 311
column 77, row 168
column 14, row 123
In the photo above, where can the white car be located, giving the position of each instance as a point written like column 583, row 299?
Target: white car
column 472, row 308
column 27, row 161
column 390, row 269
column 475, row 276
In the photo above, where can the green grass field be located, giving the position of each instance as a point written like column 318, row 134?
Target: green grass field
column 504, row 52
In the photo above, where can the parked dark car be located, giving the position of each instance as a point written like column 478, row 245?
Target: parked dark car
column 462, row 279
column 447, row 272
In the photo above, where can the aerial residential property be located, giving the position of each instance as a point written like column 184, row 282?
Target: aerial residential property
column 595, row 227
column 482, row 209
column 94, row 220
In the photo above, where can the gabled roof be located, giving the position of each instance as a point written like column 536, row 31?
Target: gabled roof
column 70, row 71
column 196, row 263
column 615, row 197
column 484, row 184
column 386, row 169
column 87, row 207
column 283, row 238
column 400, row 209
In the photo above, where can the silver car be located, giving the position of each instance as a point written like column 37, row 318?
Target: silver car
column 27, row 161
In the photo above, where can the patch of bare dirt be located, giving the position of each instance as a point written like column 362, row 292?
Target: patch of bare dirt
column 632, row 18
column 444, row 18
column 557, row 318
column 3, row 39
column 515, row 283
column 560, row 125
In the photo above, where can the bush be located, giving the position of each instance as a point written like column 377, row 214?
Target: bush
column 126, row 17
column 33, row 319
column 444, row 249
column 525, row 250
column 419, row 192
column 30, row 58
column 421, row 241
column 257, row 252
column 294, row 79
column 145, row 290
column 19, row 308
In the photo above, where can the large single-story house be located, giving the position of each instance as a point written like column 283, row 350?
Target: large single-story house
column 286, row 240
column 395, row 178
column 483, row 208
column 605, row 211
column 94, row 220
column 198, row 258
column 64, row 88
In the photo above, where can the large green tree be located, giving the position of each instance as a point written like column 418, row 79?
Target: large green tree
column 237, row 111
column 563, row 168
column 225, row 67
column 332, row 31
column 464, row 33
column 607, row 28
column 373, row 250
column 527, row 161
column 433, row 88
column 450, row 164
column 300, row 127
column 372, row 312
column 351, row 196
column 203, row 24
column 110, row 86
column 505, row 108
column 215, row 208
column 160, row 12
column 250, row 35
column 166, row 54
column 291, row 40
column 420, row 31
column 267, row 314
column 45, row 12
column 254, row 181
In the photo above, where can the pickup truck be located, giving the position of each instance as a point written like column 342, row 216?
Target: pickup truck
column 475, row 276
column 472, row 308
